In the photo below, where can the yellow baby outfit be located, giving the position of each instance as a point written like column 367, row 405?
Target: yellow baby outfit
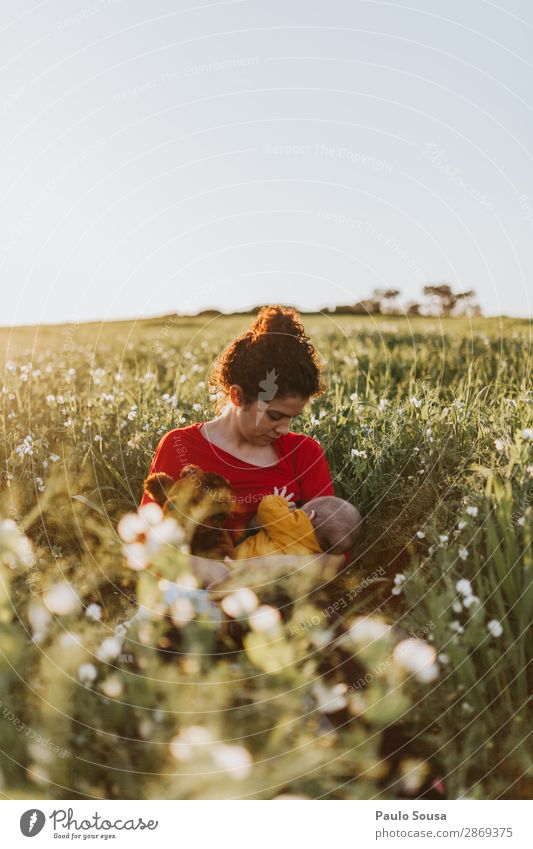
column 283, row 531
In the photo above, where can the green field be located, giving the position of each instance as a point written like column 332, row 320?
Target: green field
column 407, row 675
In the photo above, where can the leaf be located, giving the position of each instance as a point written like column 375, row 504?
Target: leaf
column 270, row 657
column 83, row 500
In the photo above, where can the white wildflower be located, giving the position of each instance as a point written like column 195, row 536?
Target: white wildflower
column 420, row 534
column 87, row 673
column 112, row 687
column 235, row 760
column 94, row 612
column 463, row 552
column 418, row 657
column 366, row 629
column 136, row 555
column 15, row 548
column 240, row 603
column 109, row 649
column 472, row 511
column 527, row 433
column 464, row 586
column 416, row 402
column 494, row 627
column 330, row 699
column 25, row 447
column 145, row 532
column 399, row 579
column 265, row 619
column 182, row 611
column 39, row 617
column 68, row 640
column 61, row 598
column 184, row 745
column 469, row 600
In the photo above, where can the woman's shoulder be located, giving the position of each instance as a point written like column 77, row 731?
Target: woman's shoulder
column 173, row 438
column 303, row 442
column 188, row 430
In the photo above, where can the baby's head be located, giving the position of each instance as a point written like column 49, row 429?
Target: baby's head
column 336, row 522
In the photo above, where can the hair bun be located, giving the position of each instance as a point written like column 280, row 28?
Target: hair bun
column 276, row 319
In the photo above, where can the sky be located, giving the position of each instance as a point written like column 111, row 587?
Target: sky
column 173, row 155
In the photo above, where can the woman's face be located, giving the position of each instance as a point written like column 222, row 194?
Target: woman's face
column 262, row 422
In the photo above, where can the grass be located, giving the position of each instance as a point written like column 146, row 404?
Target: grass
column 427, row 428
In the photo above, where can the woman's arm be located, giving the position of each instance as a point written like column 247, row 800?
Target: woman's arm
column 313, row 471
column 164, row 460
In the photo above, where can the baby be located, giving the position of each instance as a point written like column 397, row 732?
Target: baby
column 324, row 524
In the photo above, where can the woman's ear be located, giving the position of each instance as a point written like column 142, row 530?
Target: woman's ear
column 235, row 394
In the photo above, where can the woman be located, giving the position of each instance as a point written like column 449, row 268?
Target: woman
column 265, row 378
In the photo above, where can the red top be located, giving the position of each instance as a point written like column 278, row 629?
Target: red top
column 302, row 468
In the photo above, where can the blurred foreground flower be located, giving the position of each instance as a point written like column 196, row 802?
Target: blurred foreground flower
column 145, row 532
column 240, row 603
column 265, row 619
column 413, row 774
column 330, row 699
column 417, row 657
column 464, row 587
column 39, row 618
column 87, row 673
column 235, row 760
column 109, row 649
column 494, row 628
column 15, row 548
column 61, row 598
column 367, row 629
column 399, row 579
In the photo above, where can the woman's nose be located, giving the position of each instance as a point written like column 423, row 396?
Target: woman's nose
column 283, row 428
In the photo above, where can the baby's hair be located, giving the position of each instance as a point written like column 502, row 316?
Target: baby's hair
column 275, row 341
column 337, row 523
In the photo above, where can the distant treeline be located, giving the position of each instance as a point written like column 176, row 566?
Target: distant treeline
column 436, row 300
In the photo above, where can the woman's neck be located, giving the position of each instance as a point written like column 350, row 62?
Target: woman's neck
column 224, row 432
column 225, row 426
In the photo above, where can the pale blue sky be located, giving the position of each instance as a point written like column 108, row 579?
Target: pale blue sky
column 160, row 156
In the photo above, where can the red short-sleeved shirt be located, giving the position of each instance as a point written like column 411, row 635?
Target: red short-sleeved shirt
column 302, row 468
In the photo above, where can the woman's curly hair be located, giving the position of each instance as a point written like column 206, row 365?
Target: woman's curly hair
column 275, row 341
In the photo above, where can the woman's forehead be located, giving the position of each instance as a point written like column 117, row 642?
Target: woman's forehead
column 289, row 405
